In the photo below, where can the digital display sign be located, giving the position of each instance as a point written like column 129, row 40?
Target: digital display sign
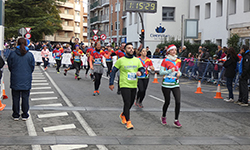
column 141, row 6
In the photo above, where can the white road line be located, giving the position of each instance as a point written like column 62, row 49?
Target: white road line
column 50, row 105
column 43, row 98
column 32, row 132
column 108, row 79
column 156, row 98
column 83, row 123
column 59, row 127
column 35, row 93
column 50, row 115
column 37, row 73
column 40, row 88
column 67, row 147
column 35, row 81
column 38, row 78
column 34, row 84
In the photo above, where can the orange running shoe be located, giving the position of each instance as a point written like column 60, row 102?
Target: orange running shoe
column 123, row 119
column 129, row 125
column 98, row 93
column 94, row 94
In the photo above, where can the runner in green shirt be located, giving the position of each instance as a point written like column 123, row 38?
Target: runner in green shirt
column 130, row 67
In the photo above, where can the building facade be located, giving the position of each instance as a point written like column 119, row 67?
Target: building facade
column 159, row 26
column 219, row 18
column 74, row 22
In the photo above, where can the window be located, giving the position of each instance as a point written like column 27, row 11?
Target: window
column 107, row 28
column 130, row 18
column 83, row 19
column 66, row 23
column 197, row 12
column 219, row 8
column 116, row 25
column 218, row 41
column 107, row 11
column 66, row 34
column 111, row 9
column 207, row 10
column 117, row 7
column 77, row 13
column 77, row 35
column 111, row 27
column 136, row 18
column 246, row 5
column 66, row 11
column 232, row 7
column 77, row 1
column 168, row 13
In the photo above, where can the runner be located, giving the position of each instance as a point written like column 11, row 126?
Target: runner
column 57, row 54
column 97, row 67
column 170, row 68
column 143, row 80
column 109, row 61
column 76, row 55
column 45, row 56
column 130, row 68
column 88, row 52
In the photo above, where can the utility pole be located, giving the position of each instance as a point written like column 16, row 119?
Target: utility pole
column 111, row 30
column 142, row 35
column 88, row 34
column 117, row 27
column 1, row 25
column 182, row 31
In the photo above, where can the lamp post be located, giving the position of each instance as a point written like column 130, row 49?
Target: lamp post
column 1, row 25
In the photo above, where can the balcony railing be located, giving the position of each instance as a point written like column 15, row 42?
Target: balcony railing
column 105, row 17
column 124, row 31
column 95, row 4
column 104, row 2
column 94, row 19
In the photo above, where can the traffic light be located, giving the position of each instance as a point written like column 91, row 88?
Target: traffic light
column 142, row 36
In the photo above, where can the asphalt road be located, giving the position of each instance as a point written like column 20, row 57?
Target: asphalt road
column 64, row 113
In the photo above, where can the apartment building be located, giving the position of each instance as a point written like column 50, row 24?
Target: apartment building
column 220, row 18
column 74, row 22
column 103, row 17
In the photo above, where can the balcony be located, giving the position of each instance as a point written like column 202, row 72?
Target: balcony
column 78, row 7
column 66, row 16
column 66, row 4
column 67, row 28
column 77, row 19
column 124, row 31
column 85, row 34
column 124, row 14
column 85, row 24
column 77, row 30
column 94, row 5
column 104, row 2
column 105, row 18
column 61, row 39
column 95, row 19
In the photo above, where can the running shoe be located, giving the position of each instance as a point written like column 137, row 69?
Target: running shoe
column 94, row 94
column 75, row 76
column 164, row 120
column 119, row 92
column 129, row 125
column 177, row 124
column 140, row 105
column 45, row 68
column 244, row 104
column 136, row 102
column 65, row 72
column 58, row 72
column 24, row 119
column 229, row 100
column 123, row 119
column 78, row 77
column 237, row 102
column 15, row 119
column 98, row 93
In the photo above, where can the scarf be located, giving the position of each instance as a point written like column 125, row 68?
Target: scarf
column 173, row 58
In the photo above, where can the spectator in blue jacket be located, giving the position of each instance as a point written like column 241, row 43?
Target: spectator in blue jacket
column 21, row 64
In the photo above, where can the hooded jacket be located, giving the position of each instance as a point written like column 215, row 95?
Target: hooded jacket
column 244, row 69
column 21, row 68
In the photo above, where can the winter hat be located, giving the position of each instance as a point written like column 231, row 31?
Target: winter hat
column 170, row 47
column 76, row 46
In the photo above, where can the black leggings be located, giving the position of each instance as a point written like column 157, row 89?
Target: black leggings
column 109, row 65
column 128, row 96
column 45, row 62
column 98, row 77
column 58, row 65
column 142, row 86
column 77, row 66
column 87, row 69
column 177, row 95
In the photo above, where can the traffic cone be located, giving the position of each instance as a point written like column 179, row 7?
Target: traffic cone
column 4, row 94
column 155, row 79
column 198, row 90
column 2, row 106
column 218, row 93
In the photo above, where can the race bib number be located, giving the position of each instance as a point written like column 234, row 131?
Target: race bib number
column 131, row 76
column 45, row 55
column 77, row 57
column 98, row 61
column 57, row 54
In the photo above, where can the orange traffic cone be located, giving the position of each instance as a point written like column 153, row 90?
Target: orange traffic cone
column 4, row 94
column 2, row 106
column 155, row 79
column 218, row 93
column 198, row 91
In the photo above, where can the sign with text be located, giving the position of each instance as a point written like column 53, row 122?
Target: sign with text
column 141, row 6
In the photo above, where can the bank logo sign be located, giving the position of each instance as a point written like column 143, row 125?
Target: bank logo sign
column 159, row 32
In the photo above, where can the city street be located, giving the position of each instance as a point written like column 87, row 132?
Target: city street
column 65, row 115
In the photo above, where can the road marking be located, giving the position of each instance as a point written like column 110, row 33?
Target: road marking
column 83, row 123
column 40, row 88
column 50, row 115
column 156, row 98
column 43, row 98
column 59, row 127
column 35, row 81
column 50, row 105
column 67, row 147
column 38, row 78
column 37, row 73
column 35, row 93
column 34, row 84
column 32, row 132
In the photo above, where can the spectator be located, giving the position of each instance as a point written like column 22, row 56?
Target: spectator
column 38, row 46
column 190, row 61
column 164, row 52
column 157, row 53
column 76, row 42
column 21, row 64
column 184, row 52
column 244, row 72
column 219, row 51
column 230, row 64
column 149, row 54
column 67, row 49
column 31, row 46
